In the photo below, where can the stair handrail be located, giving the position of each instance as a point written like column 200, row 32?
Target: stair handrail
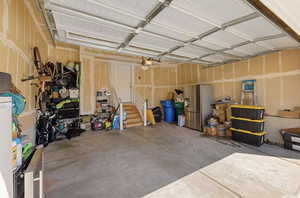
column 116, row 100
column 142, row 105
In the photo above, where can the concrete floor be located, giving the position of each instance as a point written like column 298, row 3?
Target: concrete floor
column 167, row 161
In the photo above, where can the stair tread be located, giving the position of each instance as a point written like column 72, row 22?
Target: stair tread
column 133, row 115
column 133, row 121
column 134, row 124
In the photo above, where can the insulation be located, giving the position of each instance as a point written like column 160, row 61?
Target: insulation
column 110, row 22
column 237, row 53
column 255, row 28
column 104, row 30
column 216, row 11
column 145, row 40
column 251, row 49
column 223, row 38
column 141, row 50
column 283, row 42
column 208, row 45
column 217, row 58
column 168, row 32
column 175, row 19
column 90, row 38
column 97, row 9
column 171, row 57
column 137, row 7
column 191, row 51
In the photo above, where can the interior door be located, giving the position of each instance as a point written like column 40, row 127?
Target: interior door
column 121, row 80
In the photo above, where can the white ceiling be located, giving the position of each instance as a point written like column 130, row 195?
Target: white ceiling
column 287, row 10
column 204, row 31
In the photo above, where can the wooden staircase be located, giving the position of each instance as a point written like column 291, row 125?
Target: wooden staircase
column 133, row 116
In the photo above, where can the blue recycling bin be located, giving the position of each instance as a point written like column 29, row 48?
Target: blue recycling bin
column 169, row 110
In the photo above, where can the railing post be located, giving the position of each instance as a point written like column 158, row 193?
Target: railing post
column 145, row 112
column 121, row 116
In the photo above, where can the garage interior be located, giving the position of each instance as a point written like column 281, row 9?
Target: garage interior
column 156, row 98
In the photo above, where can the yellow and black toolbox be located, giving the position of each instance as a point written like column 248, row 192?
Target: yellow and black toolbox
column 248, row 137
column 255, row 126
column 248, row 112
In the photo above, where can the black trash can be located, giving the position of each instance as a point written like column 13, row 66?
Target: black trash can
column 157, row 114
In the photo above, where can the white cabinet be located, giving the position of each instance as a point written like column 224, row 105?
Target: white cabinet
column 6, row 171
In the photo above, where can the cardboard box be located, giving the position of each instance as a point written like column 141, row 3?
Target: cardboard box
column 221, row 107
column 289, row 114
column 212, row 131
column 228, row 133
column 221, row 115
column 221, row 130
column 297, row 109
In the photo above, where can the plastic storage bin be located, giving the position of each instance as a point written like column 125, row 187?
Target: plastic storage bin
column 256, row 139
column 291, row 135
column 179, row 106
column 292, row 146
column 255, row 126
column 248, row 112
column 169, row 110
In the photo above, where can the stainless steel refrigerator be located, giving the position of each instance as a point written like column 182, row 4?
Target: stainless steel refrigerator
column 199, row 99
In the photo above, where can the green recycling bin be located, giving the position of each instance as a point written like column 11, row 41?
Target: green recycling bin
column 179, row 106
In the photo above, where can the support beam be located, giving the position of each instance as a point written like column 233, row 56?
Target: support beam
column 241, row 20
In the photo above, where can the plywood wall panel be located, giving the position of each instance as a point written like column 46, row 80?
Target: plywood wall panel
column 12, row 20
column 272, row 95
column 100, row 75
column 272, row 63
column 210, row 74
column 203, row 75
column 237, row 92
column 291, row 91
column 241, row 68
column 218, row 90
column 290, row 60
column 147, row 76
column 172, row 74
column 86, row 85
column 148, row 95
column 256, row 65
column 229, row 89
column 260, row 91
column 12, row 64
column 3, row 59
column 218, row 73
column 228, row 71
column 138, row 77
column 20, row 24
column 1, row 15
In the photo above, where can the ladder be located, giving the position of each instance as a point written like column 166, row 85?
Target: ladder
column 248, row 92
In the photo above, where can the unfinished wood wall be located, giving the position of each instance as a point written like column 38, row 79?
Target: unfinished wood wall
column 277, row 75
column 155, row 84
column 95, row 75
column 63, row 54
column 19, row 33
column 22, row 28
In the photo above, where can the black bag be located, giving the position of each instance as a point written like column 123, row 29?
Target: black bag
column 5, row 82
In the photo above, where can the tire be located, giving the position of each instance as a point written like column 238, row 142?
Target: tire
column 37, row 60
